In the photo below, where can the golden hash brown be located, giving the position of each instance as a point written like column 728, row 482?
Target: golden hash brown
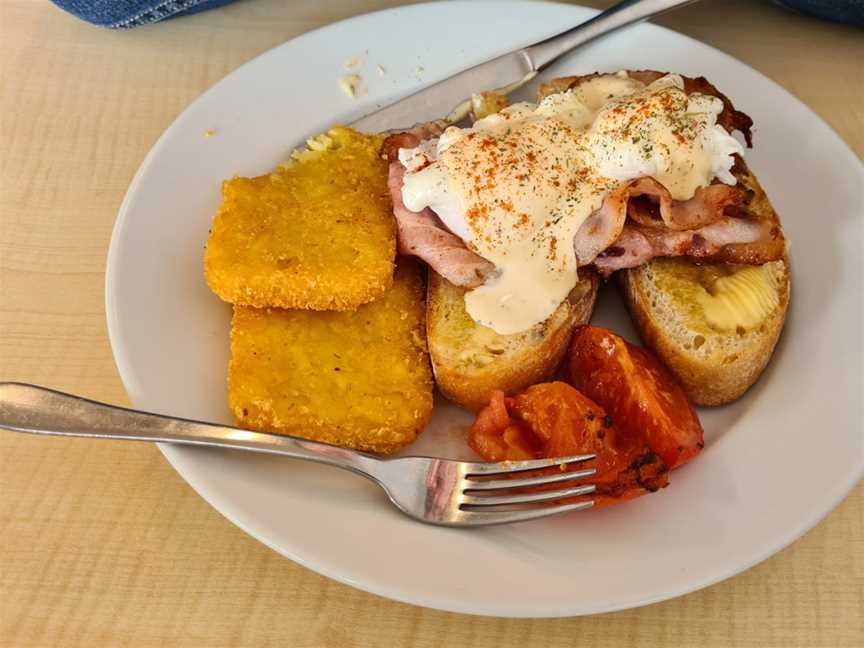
column 357, row 379
column 318, row 233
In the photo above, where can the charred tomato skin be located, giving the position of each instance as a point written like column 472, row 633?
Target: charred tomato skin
column 555, row 420
column 638, row 391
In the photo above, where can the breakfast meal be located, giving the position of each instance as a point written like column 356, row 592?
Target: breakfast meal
column 518, row 217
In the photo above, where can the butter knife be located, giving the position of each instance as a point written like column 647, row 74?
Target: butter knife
column 506, row 73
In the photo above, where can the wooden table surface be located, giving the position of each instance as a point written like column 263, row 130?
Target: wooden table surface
column 103, row 544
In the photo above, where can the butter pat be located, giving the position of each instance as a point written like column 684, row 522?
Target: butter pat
column 743, row 299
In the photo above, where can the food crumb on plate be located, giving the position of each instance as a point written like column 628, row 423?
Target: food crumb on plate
column 355, row 62
column 352, row 85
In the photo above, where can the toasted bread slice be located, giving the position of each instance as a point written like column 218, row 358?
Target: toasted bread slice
column 714, row 326
column 471, row 361
column 716, row 354
column 318, row 233
column 357, row 379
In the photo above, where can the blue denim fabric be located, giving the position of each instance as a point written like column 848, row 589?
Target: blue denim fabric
column 850, row 12
column 124, row 14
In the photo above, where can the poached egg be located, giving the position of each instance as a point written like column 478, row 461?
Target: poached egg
column 517, row 185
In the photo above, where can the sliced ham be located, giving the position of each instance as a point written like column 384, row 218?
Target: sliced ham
column 631, row 249
column 658, row 209
column 756, row 240
column 410, row 138
column 770, row 246
column 601, row 228
column 422, row 234
column 648, row 203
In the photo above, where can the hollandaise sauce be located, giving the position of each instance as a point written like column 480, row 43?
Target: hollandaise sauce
column 517, row 185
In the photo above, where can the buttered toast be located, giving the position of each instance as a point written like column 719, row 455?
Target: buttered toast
column 716, row 325
column 471, row 361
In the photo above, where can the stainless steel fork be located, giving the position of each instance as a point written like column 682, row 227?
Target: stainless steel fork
column 437, row 491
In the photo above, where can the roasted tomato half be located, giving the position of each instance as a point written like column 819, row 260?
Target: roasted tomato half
column 555, row 420
column 637, row 391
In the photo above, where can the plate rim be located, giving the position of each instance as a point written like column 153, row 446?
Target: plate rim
column 173, row 454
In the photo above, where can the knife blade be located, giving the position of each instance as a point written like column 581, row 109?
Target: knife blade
column 450, row 98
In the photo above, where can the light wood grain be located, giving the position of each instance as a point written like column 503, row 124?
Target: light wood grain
column 104, row 545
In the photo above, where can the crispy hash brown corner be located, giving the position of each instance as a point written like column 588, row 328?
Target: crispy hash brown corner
column 359, row 379
column 318, row 233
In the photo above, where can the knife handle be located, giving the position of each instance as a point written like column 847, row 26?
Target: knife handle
column 617, row 16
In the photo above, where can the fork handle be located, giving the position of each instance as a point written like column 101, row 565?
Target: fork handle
column 37, row 410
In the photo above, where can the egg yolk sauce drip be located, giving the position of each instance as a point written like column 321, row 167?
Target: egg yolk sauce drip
column 517, row 185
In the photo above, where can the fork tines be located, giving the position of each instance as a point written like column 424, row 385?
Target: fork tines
column 506, row 467
column 480, row 506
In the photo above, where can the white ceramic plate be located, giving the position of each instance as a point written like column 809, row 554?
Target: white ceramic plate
column 775, row 463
